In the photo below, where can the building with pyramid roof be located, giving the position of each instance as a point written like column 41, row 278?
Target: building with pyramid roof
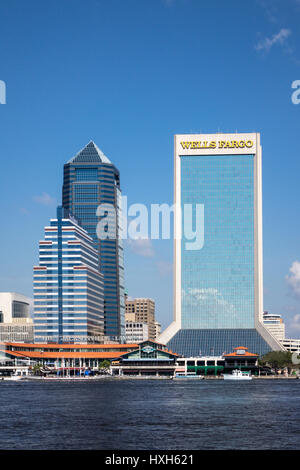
column 90, row 179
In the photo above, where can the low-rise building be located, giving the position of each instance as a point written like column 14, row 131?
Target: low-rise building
column 148, row 359
column 15, row 321
column 240, row 358
column 291, row 345
column 73, row 357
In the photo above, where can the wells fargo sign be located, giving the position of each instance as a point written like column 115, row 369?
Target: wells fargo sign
column 221, row 144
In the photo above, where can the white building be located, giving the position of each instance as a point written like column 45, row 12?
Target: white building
column 275, row 325
column 15, row 321
column 136, row 332
column 157, row 329
column 292, row 345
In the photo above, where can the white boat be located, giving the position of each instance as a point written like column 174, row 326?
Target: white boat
column 238, row 375
column 11, row 377
column 182, row 375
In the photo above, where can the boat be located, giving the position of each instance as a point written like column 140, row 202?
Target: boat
column 11, row 377
column 238, row 375
column 182, row 375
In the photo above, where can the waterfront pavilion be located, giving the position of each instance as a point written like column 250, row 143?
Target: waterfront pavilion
column 148, row 359
column 66, row 357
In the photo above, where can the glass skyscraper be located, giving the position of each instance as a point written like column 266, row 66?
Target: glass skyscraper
column 90, row 179
column 218, row 286
column 68, row 287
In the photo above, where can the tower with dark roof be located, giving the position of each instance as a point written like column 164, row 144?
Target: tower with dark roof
column 90, row 179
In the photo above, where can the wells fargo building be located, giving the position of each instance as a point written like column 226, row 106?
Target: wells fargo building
column 218, row 291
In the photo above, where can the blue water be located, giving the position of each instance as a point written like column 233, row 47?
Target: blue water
column 150, row 414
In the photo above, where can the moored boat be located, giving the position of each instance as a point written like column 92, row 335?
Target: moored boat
column 238, row 375
column 182, row 375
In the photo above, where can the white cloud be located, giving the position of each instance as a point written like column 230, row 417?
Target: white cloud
column 45, row 199
column 294, row 324
column 293, row 279
column 212, row 301
column 142, row 247
column 164, row 267
column 24, row 211
column 267, row 43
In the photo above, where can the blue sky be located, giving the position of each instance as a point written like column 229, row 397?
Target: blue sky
column 129, row 75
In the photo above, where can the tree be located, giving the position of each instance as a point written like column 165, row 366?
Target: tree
column 37, row 369
column 104, row 366
column 277, row 359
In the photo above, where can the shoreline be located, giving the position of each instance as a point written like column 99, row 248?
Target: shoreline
column 93, row 379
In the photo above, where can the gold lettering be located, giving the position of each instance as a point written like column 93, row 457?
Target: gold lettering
column 249, row 143
column 185, row 145
column 221, row 143
column 241, row 143
column 213, row 144
column 227, row 144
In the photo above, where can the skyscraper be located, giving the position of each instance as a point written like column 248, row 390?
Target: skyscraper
column 218, row 289
column 68, row 287
column 143, row 311
column 90, row 179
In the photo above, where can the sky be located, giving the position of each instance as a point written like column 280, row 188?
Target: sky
column 129, row 75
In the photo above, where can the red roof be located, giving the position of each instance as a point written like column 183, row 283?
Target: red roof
column 65, row 355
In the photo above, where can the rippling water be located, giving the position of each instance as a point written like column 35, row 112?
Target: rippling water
column 150, row 414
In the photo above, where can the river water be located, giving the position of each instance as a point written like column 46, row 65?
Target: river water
column 150, row 414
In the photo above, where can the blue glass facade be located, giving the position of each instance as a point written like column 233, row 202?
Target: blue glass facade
column 214, row 342
column 90, row 179
column 218, row 299
column 68, row 287
column 217, row 281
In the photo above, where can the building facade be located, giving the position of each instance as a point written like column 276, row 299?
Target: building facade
column 291, row 345
column 136, row 332
column 142, row 310
column 15, row 321
column 148, row 359
column 73, row 357
column 218, row 295
column 91, row 180
column 275, row 325
column 68, row 286
column 240, row 358
column 157, row 329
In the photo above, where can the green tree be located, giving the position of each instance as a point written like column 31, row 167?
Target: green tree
column 277, row 360
column 37, row 368
column 104, row 366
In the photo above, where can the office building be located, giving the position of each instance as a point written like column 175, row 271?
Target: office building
column 218, row 291
column 15, row 321
column 68, row 287
column 142, row 310
column 275, row 325
column 90, row 180
column 136, row 332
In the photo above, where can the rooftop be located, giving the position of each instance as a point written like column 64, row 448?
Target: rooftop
column 90, row 154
